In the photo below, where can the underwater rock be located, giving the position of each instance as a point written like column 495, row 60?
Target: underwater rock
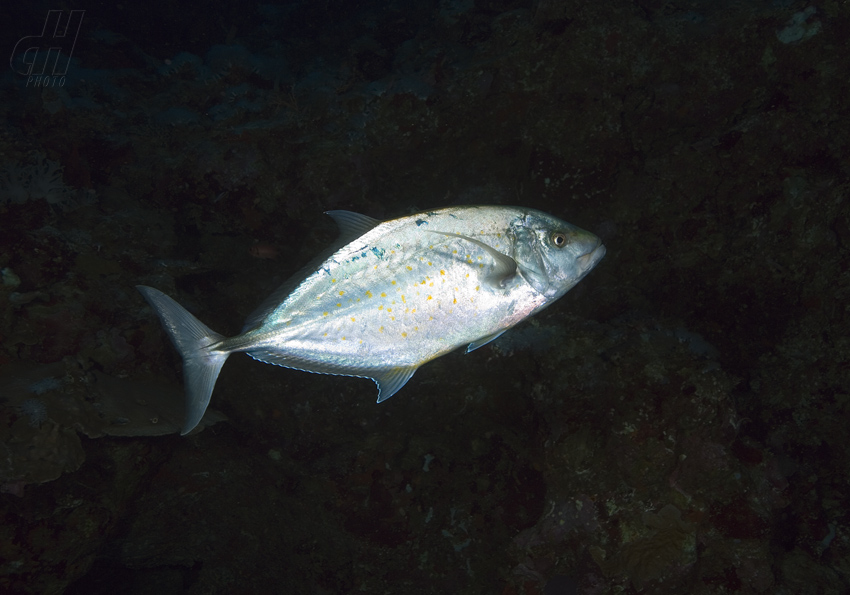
column 45, row 408
column 649, row 557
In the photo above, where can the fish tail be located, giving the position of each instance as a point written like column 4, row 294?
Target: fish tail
column 192, row 338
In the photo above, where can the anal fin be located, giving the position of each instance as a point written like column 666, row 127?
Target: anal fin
column 391, row 381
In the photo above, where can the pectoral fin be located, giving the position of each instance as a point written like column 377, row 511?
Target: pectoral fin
column 505, row 267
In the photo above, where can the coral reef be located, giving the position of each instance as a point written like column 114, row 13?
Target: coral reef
column 41, row 179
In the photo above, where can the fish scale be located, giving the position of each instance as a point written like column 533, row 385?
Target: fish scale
column 391, row 296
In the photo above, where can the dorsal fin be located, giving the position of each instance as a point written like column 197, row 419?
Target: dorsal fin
column 351, row 226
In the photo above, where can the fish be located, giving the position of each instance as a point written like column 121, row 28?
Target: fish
column 390, row 296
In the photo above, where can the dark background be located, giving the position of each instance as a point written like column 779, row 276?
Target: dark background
column 675, row 424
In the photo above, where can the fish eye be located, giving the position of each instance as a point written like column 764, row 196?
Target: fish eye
column 559, row 239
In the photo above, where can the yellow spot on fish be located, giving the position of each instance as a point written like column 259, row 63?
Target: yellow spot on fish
column 402, row 299
column 343, row 338
column 454, row 251
column 383, row 294
column 381, row 330
column 454, row 301
column 339, row 305
column 393, row 282
column 477, row 287
column 429, row 297
column 352, row 319
column 333, row 280
column 404, row 335
column 481, row 266
column 381, row 307
column 409, row 268
column 324, row 313
column 442, row 272
column 429, row 264
column 389, row 309
column 341, row 293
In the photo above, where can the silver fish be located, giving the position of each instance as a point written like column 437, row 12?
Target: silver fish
column 390, row 296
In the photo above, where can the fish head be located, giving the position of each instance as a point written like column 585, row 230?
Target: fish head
column 553, row 255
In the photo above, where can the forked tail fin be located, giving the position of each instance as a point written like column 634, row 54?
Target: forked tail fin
column 192, row 338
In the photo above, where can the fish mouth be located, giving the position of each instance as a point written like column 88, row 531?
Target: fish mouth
column 590, row 259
